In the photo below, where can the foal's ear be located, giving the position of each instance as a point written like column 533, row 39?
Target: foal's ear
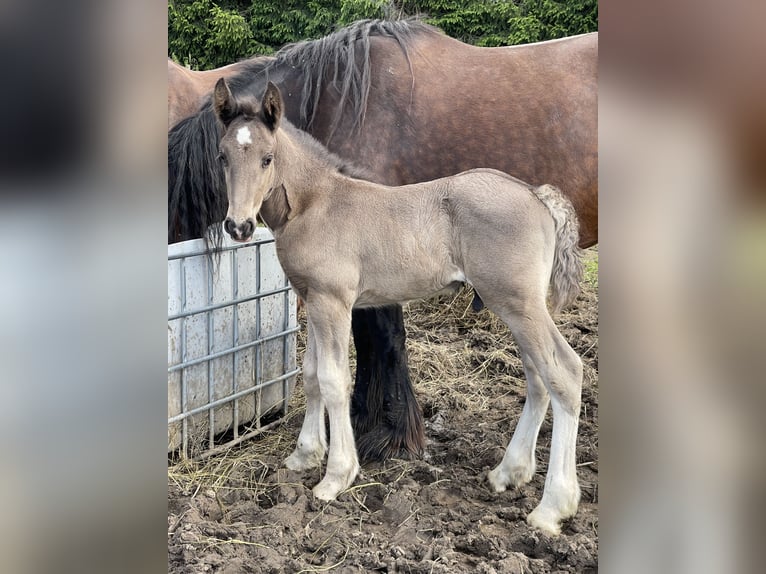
column 272, row 107
column 223, row 102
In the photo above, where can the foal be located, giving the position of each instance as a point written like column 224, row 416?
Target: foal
column 346, row 242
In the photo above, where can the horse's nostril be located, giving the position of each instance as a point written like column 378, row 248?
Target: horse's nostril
column 229, row 226
column 248, row 228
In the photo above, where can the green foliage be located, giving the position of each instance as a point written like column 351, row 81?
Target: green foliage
column 203, row 34
column 230, row 32
column 275, row 24
column 501, row 23
column 207, row 34
column 590, row 267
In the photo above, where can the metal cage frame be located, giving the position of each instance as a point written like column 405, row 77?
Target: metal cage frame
column 287, row 333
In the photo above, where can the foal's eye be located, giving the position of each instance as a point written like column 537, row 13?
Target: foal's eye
column 266, row 161
column 222, row 159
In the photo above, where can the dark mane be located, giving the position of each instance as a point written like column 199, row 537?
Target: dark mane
column 196, row 192
column 334, row 56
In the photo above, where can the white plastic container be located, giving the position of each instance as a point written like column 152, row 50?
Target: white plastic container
column 236, row 386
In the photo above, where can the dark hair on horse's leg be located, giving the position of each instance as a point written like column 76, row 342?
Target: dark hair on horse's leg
column 383, row 382
column 362, row 418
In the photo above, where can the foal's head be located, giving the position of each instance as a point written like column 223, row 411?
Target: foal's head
column 247, row 153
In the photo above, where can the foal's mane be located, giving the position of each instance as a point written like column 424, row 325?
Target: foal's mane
column 315, row 148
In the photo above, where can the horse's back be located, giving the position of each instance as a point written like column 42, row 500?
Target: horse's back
column 183, row 99
column 189, row 89
column 528, row 110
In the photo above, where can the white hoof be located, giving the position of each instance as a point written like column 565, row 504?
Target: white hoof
column 500, row 479
column 334, row 483
column 556, row 505
column 546, row 520
column 328, row 489
column 301, row 460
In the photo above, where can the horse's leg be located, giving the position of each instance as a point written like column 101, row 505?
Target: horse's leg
column 330, row 321
column 362, row 418
column 518, row 464
column 560, row 370
column 312, row 442
column 387, row 418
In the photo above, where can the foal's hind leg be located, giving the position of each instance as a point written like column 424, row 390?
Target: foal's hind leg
column 312, row 442
column 518, row 464
column 560, row 370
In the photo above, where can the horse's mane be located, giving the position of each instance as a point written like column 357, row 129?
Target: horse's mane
column 196, row 192
column 335, row 56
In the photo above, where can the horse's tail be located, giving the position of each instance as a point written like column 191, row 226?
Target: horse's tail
column 196, row 185
column 567, row 264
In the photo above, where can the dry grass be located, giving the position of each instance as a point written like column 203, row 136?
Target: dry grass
column 455, row 352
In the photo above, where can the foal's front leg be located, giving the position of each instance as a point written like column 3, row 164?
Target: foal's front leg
column 330, row 320
column 312, row 441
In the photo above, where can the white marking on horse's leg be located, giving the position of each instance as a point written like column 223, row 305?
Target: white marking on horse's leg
column 560, row 369
column 332, row 329
column 342, row 463
column 518, row 464
column 561, row 494
column 312, row 442
column 243, row 136
column 563, row 379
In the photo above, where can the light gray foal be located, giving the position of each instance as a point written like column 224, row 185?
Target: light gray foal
column 345, row 243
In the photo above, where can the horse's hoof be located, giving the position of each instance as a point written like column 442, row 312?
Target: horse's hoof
column 496, row 481
column 301, row 461
column 334, row 483
column 327, row 490
column 385, row 442
column 517, row 476
column 546, row 520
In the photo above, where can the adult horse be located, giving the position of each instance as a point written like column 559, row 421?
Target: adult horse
column 395, row 98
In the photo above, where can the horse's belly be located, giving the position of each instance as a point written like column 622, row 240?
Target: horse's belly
column 412, row 287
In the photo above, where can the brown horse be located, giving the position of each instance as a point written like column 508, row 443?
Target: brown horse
column 188, row 89
column 396, row 98
column 507, row 239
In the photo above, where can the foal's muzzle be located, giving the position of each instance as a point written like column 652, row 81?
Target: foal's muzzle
column 242, row 232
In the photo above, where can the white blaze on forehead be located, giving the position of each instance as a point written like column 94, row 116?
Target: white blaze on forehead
column 243, row 136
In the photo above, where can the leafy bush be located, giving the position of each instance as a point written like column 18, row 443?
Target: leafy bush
column 204, row 34
column 503, row 23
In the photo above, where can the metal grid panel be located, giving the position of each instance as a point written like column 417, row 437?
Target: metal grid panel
column 231, row 344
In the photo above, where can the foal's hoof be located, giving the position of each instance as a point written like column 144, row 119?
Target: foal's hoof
column 301, row 461
column 335, row 483
column 546, row 520
column 500, row 479
column 327, row 490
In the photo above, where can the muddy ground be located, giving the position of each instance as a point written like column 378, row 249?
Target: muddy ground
column 242, row 512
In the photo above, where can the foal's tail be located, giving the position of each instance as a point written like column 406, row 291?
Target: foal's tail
column 567, row 265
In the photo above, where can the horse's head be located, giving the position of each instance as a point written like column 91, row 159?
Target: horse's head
column 247, row 153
